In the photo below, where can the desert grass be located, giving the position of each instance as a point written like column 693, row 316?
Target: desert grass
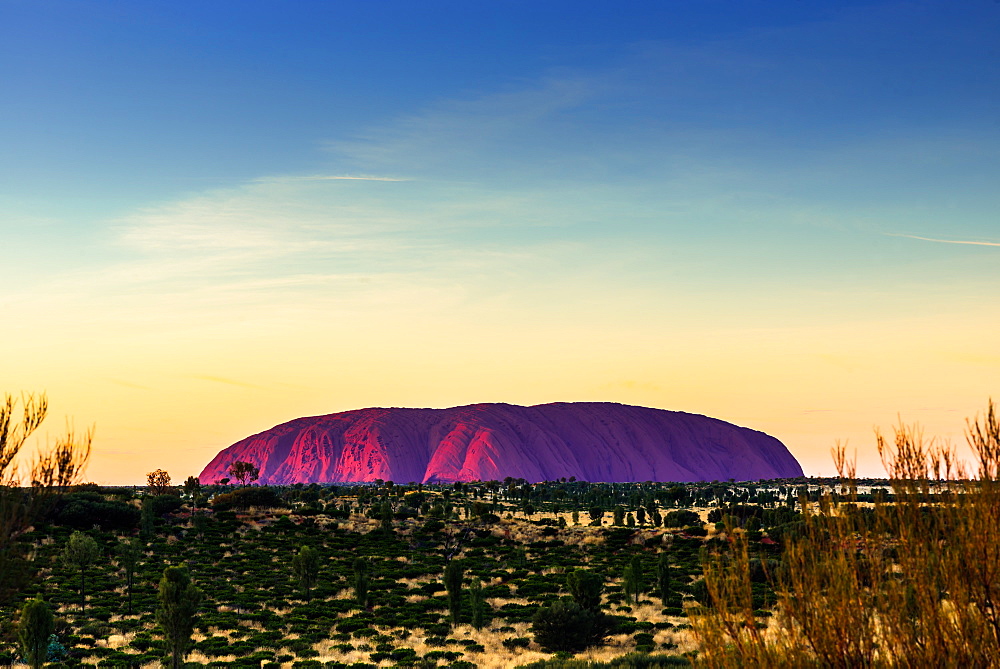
column 911, row 582
column 117, row 641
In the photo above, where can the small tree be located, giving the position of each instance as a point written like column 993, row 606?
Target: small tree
column 628, row 581
column 453, row 584
column 596, row 515
column 385, row 518
column 478, row 604
column 632, row 580
column 361, row 580
column 179, row 600
column 158, row 482
column 618, row 517
column 81, row 551
column 305, row 564
column 33, row 630
column 244, row 472
column 586, row 587
column 663, row 578
column 191, row 487
column 129, row 552
column 147, row 519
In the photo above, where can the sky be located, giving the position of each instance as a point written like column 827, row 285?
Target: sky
column 217, row 217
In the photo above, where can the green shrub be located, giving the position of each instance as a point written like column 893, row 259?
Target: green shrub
column 516, row 642
column 565, row 625
column 163, row 504
column 84, row 510
column 244, row 498
column 403, row 655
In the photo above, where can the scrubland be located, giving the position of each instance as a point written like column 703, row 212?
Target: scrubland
column 770, row 574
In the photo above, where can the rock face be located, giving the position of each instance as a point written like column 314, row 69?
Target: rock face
column 593, row 441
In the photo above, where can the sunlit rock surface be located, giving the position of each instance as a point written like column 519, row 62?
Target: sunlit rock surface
column 593, row 441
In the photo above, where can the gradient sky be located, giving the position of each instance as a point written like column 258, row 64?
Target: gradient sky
column 217, row 217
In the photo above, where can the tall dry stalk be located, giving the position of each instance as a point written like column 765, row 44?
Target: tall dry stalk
column 51, row 472
column 911, row 582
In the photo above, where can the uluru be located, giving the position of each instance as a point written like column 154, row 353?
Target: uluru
column 592, row 441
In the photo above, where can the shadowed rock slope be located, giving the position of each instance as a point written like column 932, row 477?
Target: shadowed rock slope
column 593, row 441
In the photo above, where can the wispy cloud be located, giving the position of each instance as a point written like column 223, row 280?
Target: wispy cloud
column 128, row 384
column 271, row 218
column 629, row 384
column 328, row 177
column 943, row 241
column 228, row 382
column 453, row 136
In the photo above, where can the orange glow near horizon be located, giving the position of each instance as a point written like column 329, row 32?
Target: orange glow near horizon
column 177, row 408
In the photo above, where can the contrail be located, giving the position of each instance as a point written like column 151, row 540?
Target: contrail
column 943, row 241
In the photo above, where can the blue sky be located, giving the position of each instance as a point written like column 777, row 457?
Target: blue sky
column 748, row 191
column 154, row 99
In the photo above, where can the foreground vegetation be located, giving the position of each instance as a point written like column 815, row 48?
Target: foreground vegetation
column 832, row 573
column 382, row 574
column 914, row 582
